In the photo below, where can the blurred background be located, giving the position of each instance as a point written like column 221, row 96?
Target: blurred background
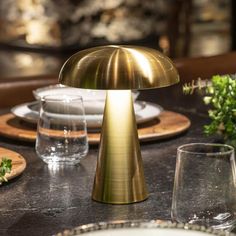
column 36, row 36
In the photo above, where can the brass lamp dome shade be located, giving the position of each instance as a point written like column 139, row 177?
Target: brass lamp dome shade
column 118, row 67
column 119, row 177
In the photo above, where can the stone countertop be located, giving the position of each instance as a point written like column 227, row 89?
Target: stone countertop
column 44, row 201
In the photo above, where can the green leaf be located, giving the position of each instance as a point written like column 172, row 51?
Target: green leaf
column 220, row 96
column 5, row 167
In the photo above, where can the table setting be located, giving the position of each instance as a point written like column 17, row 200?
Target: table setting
column 21, row 122
column 175, row 183
column 94, row 102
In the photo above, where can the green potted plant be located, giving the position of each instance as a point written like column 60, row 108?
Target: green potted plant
column 220, row 95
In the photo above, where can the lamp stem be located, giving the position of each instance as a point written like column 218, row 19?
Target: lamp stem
column 119, row 177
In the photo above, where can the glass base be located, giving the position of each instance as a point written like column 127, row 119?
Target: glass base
column 56, row 161
column 223, row 221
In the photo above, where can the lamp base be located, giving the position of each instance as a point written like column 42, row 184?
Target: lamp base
column 119, row 176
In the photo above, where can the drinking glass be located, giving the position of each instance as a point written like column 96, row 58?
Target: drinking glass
column 61, row 132
column 204, row 186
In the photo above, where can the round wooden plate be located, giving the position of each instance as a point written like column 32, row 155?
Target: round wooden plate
column 166, row 125
column 18, row 162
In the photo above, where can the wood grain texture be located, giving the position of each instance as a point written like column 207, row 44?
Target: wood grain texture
column 167, row 124
column 18, row 162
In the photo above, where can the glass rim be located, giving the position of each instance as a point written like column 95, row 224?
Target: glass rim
column 229, row 151
column 61, row 98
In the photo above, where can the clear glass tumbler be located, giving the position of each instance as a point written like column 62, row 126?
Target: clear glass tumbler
column 205, row 186
column 62, row 131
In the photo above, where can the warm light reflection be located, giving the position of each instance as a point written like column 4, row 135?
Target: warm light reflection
column 119, row 178
column 119, row 105
column 24, row 60
column 118, row 98
column 143, row 63
column 37, row 33
column 123, row 67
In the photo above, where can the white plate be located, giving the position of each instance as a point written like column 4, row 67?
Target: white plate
column 145, row 231
column 151, row 228
column 86, row 94
column 144, row 112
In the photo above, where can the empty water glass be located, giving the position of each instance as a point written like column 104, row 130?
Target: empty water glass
column 205, row 185
column 62, row 132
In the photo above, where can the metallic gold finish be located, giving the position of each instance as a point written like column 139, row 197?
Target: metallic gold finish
column 118, row 67
column 119, row 177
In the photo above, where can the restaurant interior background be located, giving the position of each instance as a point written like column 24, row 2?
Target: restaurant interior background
column 38, row 35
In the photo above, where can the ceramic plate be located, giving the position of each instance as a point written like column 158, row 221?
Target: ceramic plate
column 144, row 112
column 153, row 228
column 86, row 94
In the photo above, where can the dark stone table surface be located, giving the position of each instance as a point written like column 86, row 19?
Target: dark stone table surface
column 45, row 201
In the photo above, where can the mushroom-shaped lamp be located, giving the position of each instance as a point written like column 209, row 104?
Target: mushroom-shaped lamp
column 119, row 177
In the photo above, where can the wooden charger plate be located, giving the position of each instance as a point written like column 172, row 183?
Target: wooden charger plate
column 18, row 162
column 166, row 125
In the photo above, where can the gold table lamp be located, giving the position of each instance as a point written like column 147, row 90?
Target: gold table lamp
column 119, row 176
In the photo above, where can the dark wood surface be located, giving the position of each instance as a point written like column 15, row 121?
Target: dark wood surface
column 44, row 201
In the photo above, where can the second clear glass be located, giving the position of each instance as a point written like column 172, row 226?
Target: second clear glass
column 205, row 186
